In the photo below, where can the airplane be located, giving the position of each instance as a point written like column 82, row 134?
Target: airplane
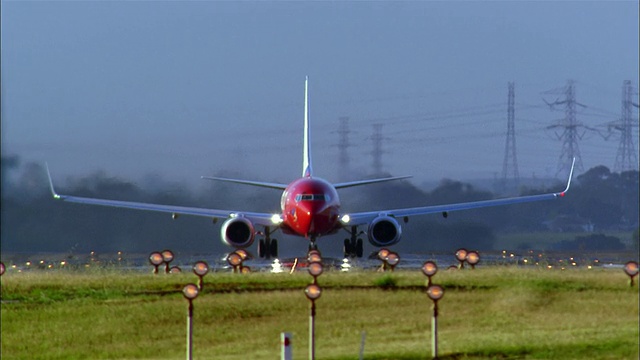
column 310, row 208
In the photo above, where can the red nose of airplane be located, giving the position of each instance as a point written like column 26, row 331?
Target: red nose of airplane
column 315, row 217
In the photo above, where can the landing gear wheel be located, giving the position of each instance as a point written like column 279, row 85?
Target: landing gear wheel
column 273, row 248
column 359, row 248
column 347, row 249
column 261, row 249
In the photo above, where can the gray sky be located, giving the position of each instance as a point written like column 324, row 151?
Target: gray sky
column 183, row 89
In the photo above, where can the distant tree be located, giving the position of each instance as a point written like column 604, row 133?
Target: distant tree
column 593, row 242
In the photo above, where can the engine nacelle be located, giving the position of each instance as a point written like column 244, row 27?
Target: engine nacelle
column 238, row 232
column 384, row 231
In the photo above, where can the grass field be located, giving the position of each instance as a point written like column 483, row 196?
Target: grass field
column 500, row 312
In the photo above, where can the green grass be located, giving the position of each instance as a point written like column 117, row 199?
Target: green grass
column 488, row 313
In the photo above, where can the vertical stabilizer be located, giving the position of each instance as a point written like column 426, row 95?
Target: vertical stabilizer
column 306, row 156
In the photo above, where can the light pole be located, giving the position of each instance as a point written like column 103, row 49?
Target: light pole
column 235, row 260
column 190, row 292
column 201, row 268
column 393, row 259
column 429, row 268
column 382, row 256
column 435, row 293
column 155, row 258
column 473, row 258
column 461, row 255
column 312, row 292
column 631, row 269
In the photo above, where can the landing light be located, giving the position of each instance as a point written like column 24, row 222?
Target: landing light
column 345, row 219
column 276, row 219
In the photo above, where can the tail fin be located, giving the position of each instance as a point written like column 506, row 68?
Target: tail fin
column 306, row 156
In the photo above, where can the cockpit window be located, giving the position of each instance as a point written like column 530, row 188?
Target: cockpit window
column 312, row 197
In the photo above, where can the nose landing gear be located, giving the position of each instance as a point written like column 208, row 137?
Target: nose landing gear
column 267, row 247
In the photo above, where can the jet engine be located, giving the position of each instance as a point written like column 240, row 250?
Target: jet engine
column 237, row 232
column 384, row 231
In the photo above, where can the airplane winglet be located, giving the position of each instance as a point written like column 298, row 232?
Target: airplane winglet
column 573, row 163
column 53, row 190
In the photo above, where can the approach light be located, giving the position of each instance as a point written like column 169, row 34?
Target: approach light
column 190, row 291
column 314, row 256
column 435, row 292
column 155, row 258
column 167, row 256
column 312, row 292
column 234, row 259
column 175, row 270
column 631, row 268
column 473, row 258
column 461, row 255
column 345, row 218
column 429, row 268
column 2, row 268
column 345, row 265
column 201, row 268
column 243, row 254
column 315, row 269
column 383, row 253
column 276, row 267
column 393, row 259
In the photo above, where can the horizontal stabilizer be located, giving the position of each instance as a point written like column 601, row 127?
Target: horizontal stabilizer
column 248, row 182
column 366, row 182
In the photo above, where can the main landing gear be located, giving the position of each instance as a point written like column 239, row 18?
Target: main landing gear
column 268, row 247
column 353, row 246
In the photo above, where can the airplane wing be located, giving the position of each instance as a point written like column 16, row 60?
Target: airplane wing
column 255, row 217
column 362, row 218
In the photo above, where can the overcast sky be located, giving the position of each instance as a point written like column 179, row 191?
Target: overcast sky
column 184, row 89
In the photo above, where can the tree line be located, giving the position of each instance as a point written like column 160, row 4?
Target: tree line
column 32, row 221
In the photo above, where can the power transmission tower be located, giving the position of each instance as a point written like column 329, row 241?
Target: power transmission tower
column 377, row 149
column 510, row 164
column 626, row 157
column 343, row 145
column 569, row 128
